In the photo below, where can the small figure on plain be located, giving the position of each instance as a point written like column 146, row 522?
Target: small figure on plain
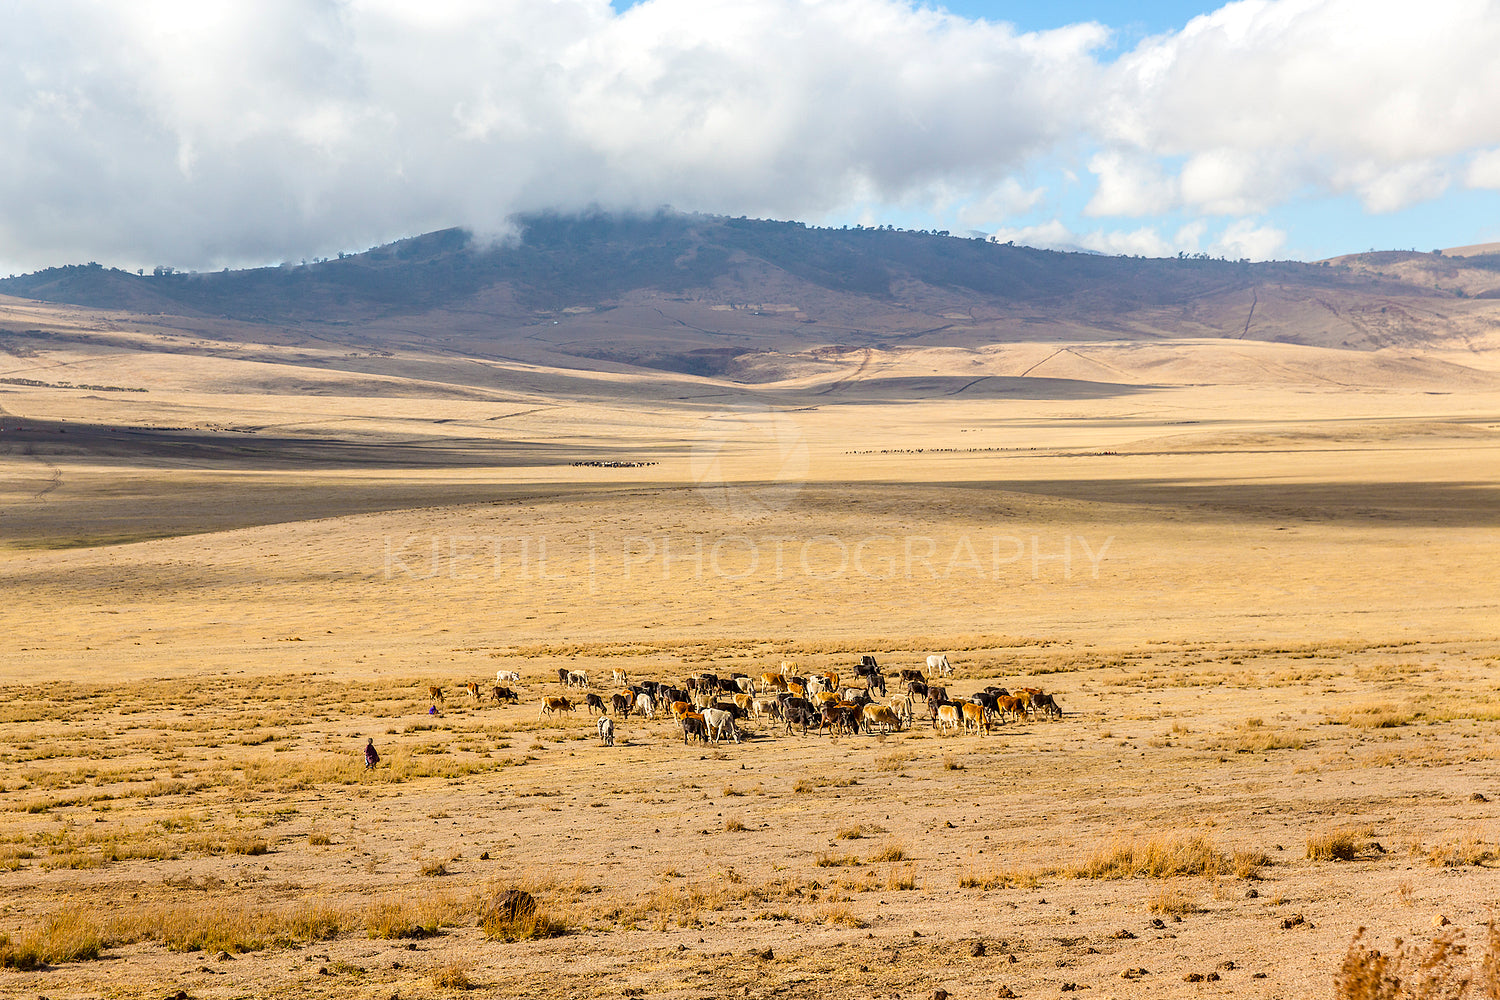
column 606, row 730
column 371, row 756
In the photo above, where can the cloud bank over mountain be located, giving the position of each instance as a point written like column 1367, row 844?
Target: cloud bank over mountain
column 206, row 135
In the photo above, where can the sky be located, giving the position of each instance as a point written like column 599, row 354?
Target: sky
column 203, row 134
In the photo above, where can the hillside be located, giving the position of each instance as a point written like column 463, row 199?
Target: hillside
column 709, row 295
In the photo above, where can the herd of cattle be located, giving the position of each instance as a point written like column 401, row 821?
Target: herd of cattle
column 707, row 706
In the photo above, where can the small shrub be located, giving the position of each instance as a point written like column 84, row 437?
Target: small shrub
column 248, row 845
column 1434, row 971
column 1247, row 864
column 1173, row 903
column 901, row 878
column 1335, row 845
column 1158, row 857
column 434, row 869
column 841, row 914
column 733, row 825
column 514, row 915
column 316, row 839
column 829, row 860
column 453, row 976
column 1470, row 849
column 66, row 936
column 393, row 918
column 893, row 851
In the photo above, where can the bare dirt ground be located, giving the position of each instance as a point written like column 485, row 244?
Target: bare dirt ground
column 1266, row 604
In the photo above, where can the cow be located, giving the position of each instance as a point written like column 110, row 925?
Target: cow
column 768, row 681
column 434, row 692
column 938, row 664
column 693, row 724
column 620, row 676
column 562, row 676
column 947, row 716
column 507, row 677
column 606, row 730
column 799, row 711
column 594, row 702
column 867, row 664
column 910, row 675
column 1045, row 704
column 473, row 688
column 620, row 705
column 883, row 716
column 555, row 703
column 577, row 678
column 645, row 705
column 973, row 717
column 718, row 722
column 500, row 694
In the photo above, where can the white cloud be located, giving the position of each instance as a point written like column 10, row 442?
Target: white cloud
column 1245, row 238
column 205, row 134
column 1484, row 170
column 1241, row 238
column 1129, row 186
column 1266, row 100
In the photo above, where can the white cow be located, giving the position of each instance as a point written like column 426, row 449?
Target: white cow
column 645, row 706
column 939, row 664
column 718, row 722
column 607, row 730
column 507, row 676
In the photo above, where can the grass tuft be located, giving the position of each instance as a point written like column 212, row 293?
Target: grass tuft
column 1158, row 857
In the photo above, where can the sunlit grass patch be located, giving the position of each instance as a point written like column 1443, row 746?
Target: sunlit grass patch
column 1158, row 857
column 1338, row 844
column 1378, row 716
column 70, row 935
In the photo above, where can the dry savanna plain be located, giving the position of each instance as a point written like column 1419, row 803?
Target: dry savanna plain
column 1260, row 580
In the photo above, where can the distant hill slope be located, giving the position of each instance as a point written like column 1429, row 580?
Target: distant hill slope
column 691, row 293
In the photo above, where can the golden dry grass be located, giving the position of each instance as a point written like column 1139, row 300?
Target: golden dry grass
column 1154, row 857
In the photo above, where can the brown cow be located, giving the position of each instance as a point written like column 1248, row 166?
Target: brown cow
column 555, row 703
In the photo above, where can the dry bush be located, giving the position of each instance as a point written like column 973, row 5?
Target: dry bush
column 1381, row 716
column 515, row 915
column 1173, row 903
column 397, row 917
column 951, row 764
column 1437, row 970
column 901, row 878
column 734, row 825
column 1469, row 849
column 893, row 761
column 1158, row 857
column 1340, row 844
column 997, row 878
column 854, row 832
column 840, row 914
column 1252, row 736
column 1247, row 864
column 434, row 869
column 247, row 844
column 894, row 850
column 319, row 839
column 69, row 935
column 827, row 859
column 453, row 976
column 223, row 925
